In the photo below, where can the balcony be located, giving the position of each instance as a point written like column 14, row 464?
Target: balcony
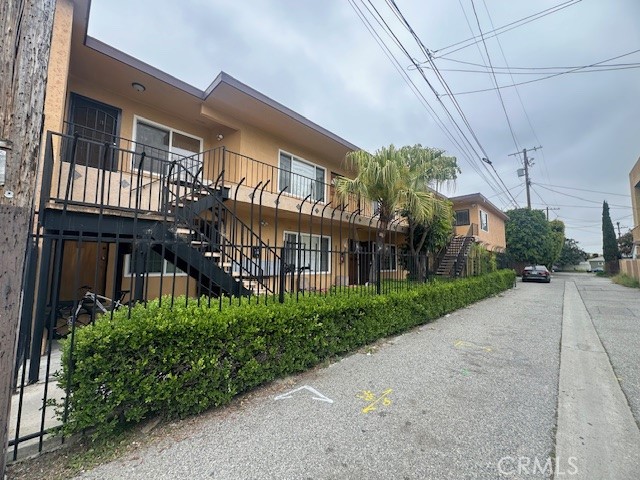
column 126, row 175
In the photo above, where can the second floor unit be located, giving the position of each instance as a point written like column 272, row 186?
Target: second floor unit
column 123, row 131
column 477, row 217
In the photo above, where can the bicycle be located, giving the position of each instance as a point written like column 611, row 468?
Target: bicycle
column 89, row 305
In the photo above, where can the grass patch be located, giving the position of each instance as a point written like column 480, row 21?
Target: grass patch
column 625, row 281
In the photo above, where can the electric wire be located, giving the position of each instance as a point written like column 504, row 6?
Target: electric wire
column 581, row 198
column 495, row 79
column 413, row 87
column 524, row 110
column 394, row 7
column 547, row 76
column 495, row 187
column 504, row 29
column 584, row 190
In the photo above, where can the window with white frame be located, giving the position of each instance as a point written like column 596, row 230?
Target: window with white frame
column 154, row 265
column 302, row 178
column 484, row 221
column 304, row 250
column 162, row 145
column 389, row 259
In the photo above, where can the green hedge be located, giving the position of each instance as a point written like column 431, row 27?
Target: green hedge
column 185, row 359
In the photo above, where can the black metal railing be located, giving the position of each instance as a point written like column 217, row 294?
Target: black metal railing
column 126, row 217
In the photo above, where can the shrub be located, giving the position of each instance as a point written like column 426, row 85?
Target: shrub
column 183, row 359
column 625, row 280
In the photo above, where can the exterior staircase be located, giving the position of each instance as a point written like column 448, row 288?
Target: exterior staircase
column 455, row 257
column 204, row 238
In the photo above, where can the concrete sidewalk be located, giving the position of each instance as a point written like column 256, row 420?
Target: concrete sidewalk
column 597, row 435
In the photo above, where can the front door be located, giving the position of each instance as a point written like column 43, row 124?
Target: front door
column 97, row 124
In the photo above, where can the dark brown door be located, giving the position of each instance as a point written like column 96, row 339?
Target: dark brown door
column 96, row 124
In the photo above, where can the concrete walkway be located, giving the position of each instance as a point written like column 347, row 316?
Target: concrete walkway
column 597, row 435
column 540, row 382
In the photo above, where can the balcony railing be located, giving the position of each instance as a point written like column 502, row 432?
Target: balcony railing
column 116, row 172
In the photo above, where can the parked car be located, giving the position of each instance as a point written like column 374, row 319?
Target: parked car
column 536, row 273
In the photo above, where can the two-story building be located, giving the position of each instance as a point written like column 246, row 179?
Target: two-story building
column 631, row 266
column 477, row 217
column 152, row 186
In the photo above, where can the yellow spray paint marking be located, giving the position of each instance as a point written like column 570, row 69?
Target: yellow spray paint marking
column 375, row 400
column 463, row 344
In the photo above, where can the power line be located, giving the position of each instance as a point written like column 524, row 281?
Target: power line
column 463, row 148
column 412, row 86
column 584, row 69
column 495, row 79
column 583, row 190
column 580, row 198
column 396, row 10
column 532, row 70
column 585, row 206
column 548, row 76
column 504, row 28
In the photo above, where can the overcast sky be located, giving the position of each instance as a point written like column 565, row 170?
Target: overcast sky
column 318, row 58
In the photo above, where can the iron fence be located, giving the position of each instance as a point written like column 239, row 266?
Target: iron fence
column 122, row 223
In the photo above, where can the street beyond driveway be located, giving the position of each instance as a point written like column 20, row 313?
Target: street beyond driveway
column 467, row 396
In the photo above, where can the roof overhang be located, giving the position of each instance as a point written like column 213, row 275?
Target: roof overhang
column 480, row 199
column 103, row 65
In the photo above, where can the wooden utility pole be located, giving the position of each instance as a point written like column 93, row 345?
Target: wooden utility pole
column 551, row 208
column 24, row 58
column 527, row 164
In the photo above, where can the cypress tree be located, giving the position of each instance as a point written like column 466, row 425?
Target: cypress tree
column 609, row 242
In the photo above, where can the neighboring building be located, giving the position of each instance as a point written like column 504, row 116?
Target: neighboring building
column 631, row 266
column 597, row 264
column 634, row 184
column 476, row 216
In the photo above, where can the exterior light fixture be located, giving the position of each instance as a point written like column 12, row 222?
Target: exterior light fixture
column 138, row 87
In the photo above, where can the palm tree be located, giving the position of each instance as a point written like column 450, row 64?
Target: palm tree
column 398, row 180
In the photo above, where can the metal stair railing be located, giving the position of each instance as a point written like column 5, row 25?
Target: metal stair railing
column 243, row 251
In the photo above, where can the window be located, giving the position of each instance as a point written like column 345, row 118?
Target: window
column 389, row 260
column 484, row 221
column 163, row 145
column 462, row 217
column 155, row 265
column 301, row 178
column 307, row 251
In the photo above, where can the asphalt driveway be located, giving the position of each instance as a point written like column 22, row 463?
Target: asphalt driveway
column 541, row 381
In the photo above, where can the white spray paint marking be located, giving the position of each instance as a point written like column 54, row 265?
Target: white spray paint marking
column 318, row 395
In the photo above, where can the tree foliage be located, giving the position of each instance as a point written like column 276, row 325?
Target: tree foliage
column 571, row 253
column 609, row 242
column 625, row 244
column 529, row 238
column 398, row 179
column 557, row 240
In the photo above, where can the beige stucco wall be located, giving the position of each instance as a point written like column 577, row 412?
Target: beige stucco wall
column 494, row 239
column 634, row 185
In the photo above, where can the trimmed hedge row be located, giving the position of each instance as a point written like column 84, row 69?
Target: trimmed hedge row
column 185, row 359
